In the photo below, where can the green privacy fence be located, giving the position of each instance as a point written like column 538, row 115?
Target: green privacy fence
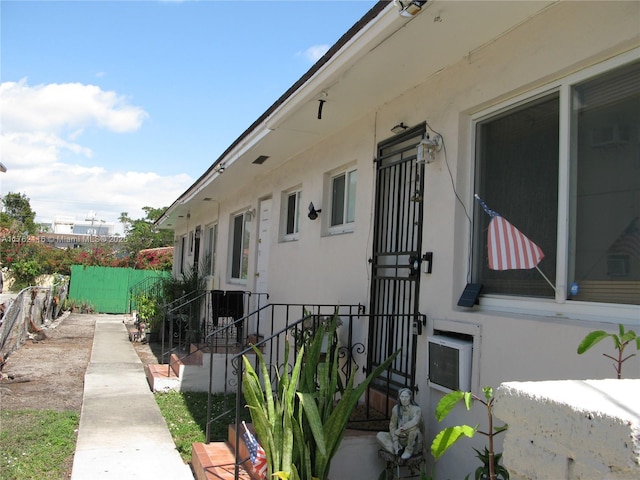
column 107, row 288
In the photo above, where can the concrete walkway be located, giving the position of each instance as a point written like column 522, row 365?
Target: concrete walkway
column 122, row 433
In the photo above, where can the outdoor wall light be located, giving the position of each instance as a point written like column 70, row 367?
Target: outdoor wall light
column 313, row 213
column 428, row 147
column 399, row 128
column 410, row 9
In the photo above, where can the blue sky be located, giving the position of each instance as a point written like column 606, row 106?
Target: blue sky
column 112, row 106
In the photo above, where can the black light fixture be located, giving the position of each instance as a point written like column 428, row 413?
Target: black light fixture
column 313, row 213
column 399, row 128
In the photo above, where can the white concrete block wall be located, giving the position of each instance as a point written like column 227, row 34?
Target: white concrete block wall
column 571, row 430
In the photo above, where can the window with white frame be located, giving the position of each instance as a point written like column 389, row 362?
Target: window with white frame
column 291, row 215
column 564, row 169
column 212, row 246
column 240, row 237
column 343, row 200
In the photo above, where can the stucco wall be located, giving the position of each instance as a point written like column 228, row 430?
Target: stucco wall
column 571, row 430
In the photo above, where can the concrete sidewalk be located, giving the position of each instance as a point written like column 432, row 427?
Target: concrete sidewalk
column 122, row 434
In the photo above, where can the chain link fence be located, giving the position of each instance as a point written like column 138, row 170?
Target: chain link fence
column 28, row 313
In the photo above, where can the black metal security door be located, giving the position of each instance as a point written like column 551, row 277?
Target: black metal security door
column 395, row 279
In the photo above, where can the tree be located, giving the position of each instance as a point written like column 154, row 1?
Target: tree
column 17, row 214
column 142, row 233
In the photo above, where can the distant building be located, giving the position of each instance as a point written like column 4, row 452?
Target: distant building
column 66, row 231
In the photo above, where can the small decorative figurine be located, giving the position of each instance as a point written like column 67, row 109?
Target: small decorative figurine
column 404, row 438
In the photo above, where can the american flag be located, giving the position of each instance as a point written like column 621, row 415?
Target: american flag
column 256, row 453
column 508, row 247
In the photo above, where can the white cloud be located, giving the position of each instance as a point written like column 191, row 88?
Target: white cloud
column 315, row 52
column 55, row 108
column 40, row 145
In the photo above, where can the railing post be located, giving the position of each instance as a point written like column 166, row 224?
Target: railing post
column 239, row 370
column 209, row 394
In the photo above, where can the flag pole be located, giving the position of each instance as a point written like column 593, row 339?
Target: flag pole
column 548, row 281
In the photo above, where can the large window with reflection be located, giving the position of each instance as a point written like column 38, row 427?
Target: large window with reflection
column 524, row 174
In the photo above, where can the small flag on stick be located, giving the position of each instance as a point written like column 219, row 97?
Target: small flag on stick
column 256, row 453
column 508, row 247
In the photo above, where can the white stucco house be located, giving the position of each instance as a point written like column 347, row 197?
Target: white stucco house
column 534, row 106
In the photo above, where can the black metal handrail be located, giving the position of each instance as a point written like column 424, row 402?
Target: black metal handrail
column 190, row 321
column 271, row 326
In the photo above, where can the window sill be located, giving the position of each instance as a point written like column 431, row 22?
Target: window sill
column 340, row 230
column 571, row 309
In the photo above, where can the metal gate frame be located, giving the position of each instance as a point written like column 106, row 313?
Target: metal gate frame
column 396, row 258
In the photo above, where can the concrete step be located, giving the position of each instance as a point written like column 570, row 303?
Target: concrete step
column 216, row 460
column 190, row 373
column 162, row 378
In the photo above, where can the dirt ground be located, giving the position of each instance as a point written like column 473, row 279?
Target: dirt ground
column 49, row 374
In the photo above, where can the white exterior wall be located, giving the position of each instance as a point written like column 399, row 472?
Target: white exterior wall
column 532, row 345
column 516, row 340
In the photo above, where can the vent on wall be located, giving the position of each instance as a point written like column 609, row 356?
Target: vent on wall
column 450, row 363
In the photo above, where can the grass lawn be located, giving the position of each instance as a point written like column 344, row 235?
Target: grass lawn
column 186, row 417
column 38, row 444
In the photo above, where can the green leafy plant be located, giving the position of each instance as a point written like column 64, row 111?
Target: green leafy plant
column 450, row 435
column 25, row 273
column 78, row 306
column 146, row 304
column 484, row 471
column 620, row 342
column 301, row 425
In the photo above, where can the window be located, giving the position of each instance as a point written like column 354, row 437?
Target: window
column 343, row 198
column 241, row 226
column 183, row 253
column 520, row 169
column 212, row 241
column 291, row 217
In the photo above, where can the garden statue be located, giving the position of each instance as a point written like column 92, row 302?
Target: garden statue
column 404, row 438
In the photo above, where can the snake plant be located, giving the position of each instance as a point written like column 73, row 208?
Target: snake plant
column 300, row 424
